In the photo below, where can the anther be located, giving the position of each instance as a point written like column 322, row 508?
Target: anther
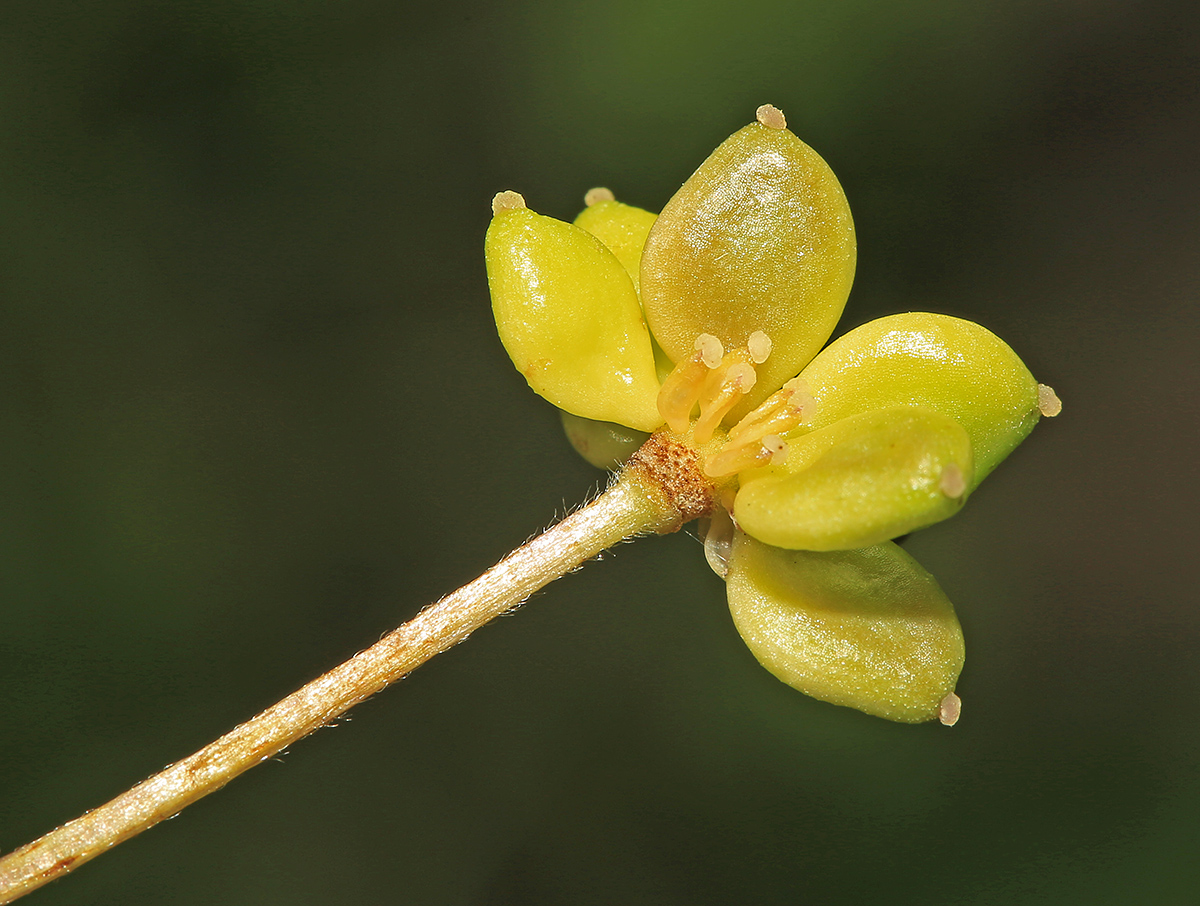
column 597, row 195
column 687, row 381
column 759, row 346
column 788, row 407
column 950, row 709
column 734, row 458
column 680, row 390
column 953, row 483
column 722, row 391
column 507, row 201
column 771, row 117
column 1048, row 402
column 710, row 349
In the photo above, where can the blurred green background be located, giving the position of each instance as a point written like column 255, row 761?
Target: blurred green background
column 253, row 413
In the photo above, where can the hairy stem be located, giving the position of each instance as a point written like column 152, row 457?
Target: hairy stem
column 637, row 503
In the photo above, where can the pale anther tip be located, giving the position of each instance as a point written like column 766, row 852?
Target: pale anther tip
column 1048, row 402
column 953, row 483
column 771, row 117
column 950, row 709
column 711, row 350
column 597, row 195
column 759, row 346
column 507, row 200
column 742, row 376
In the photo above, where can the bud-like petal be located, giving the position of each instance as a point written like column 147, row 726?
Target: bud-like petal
column 869, row 629
column 622, row 228
column 760, row 238
column 569, row 317
column 859, row 481
column 947, row 364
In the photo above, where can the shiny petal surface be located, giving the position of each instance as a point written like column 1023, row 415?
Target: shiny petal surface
column 947, row 364
column 869, row 628
column 568, row 315
column 759, row 238
column 623, row 230
column 862, row 480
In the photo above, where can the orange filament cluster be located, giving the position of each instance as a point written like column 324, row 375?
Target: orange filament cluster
column 715, row 379
column 718, row 381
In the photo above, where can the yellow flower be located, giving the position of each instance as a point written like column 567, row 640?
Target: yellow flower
column 707, row 323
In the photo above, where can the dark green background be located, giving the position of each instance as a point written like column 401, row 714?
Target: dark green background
column 253, row 413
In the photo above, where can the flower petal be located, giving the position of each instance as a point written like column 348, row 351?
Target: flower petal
column 568, row 315
column 869, row 629
column 758, row 239
column 865, row 479
column 622, row 228
column 947, row 364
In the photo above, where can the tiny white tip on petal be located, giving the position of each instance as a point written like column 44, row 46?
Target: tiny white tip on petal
column 507, row 201
column 950, row 709
column 1048, row 402
column 710, row 348
column 953, row 484
column 597, row 195
column 759, row 346
column 771, row 117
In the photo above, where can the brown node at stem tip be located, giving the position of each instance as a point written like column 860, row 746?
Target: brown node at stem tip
column 597, row 195
column 771, row 117
column 507, row 200
column 1048, row 402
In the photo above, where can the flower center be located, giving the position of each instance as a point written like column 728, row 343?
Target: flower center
column 716, row 381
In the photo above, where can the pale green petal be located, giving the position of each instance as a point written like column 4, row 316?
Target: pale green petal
column 865, row 479
column 947, row 364
column 568, row 315
column 604, row 444
column 869, row 629
column 622, row 228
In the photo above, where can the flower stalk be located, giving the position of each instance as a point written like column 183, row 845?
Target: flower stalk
column 643, row 499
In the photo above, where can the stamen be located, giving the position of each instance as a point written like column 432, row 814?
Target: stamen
column 771, row 117
column 1048, row 402
column 759, row 346
column 710, row 349
column 786, row 408
column 953, row 484
column 735, row 458
column 950, row 709
column 597, row 195
column 777, row 447
column 507, row 201
column 680, row 391
column 722, row 391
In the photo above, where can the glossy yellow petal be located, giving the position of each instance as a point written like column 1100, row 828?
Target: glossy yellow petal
column 869, row 628
column 947, row 364
column 568, row 315
column 859, row 481
column 622, row 228
column 760, row 238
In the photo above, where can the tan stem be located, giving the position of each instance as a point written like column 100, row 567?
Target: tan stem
column 635, row 504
